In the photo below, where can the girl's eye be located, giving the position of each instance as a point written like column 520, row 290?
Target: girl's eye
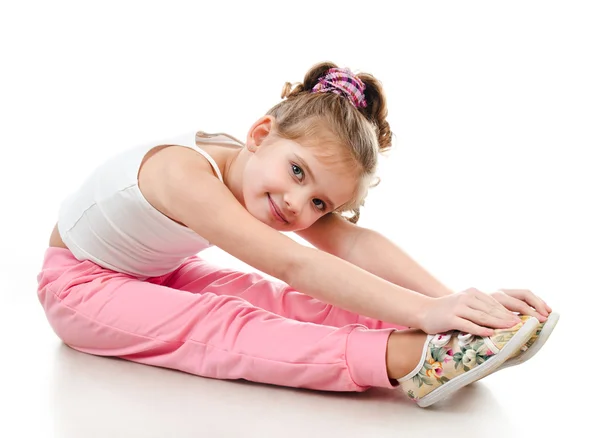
column 319, row 204
column 297, row 171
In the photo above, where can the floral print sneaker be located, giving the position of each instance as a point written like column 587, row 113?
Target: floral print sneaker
column 533, row 345
column 452, row 360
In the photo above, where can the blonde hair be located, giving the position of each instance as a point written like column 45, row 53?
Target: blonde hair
column 328, row 119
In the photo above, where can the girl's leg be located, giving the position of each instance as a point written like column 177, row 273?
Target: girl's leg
column 199, row 276
column 102, row 312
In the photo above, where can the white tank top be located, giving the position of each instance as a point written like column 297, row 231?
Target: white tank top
column 109, row 222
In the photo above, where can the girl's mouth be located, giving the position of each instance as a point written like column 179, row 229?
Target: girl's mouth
column 276, row 212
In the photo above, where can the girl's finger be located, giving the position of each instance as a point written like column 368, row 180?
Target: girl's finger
column 492, row 303
column 467, row 326
column 536, row 302
column 530, row 298
column 483, row 318
column 522, row 307
column 496, row 309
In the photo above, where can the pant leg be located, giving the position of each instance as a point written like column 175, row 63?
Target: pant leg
column 102, row 312
column 199, row 276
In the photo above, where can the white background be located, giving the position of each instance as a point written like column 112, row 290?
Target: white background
column 493, row 181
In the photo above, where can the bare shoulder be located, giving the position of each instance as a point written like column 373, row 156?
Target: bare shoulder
column 180, row 183
column 162, row 162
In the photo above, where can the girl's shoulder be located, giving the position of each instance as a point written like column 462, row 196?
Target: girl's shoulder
column 206, row 153
column 155, row 176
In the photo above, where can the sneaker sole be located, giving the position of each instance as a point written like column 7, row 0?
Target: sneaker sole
column 539, row 343
column 485, row 368
column 530, row 352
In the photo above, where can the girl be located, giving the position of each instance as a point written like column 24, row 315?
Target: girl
column 121, row 276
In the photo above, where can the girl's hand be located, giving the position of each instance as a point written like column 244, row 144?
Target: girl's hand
column 470, row 311
column 524, row 302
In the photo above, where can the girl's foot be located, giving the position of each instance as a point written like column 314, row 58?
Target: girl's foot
column 533, row 345
column 452, row 360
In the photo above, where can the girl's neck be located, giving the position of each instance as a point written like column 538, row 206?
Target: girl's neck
column 231, row 162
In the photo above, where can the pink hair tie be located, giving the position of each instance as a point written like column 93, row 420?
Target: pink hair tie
column 342, row 81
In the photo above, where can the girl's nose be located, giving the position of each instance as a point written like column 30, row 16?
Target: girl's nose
column 293, row 203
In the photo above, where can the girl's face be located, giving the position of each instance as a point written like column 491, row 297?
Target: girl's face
column 287, row 186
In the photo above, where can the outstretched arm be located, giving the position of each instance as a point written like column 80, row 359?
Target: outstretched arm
column 375, row 253
column 372, row 252
column 189, row 193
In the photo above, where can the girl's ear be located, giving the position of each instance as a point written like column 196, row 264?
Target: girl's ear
column 259, row 131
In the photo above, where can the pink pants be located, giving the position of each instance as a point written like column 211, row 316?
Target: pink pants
column 213, row 322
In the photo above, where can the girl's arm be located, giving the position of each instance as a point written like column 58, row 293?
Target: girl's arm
column 189, row 193
column 378, row 255
column 373, row 252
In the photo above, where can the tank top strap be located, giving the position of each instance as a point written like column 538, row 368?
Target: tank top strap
column 219, row 138
column 212, row 162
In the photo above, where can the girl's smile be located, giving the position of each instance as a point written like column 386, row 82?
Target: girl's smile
column 276, row 211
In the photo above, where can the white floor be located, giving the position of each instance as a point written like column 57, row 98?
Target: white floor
column 493, row 183
column 50, row 390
